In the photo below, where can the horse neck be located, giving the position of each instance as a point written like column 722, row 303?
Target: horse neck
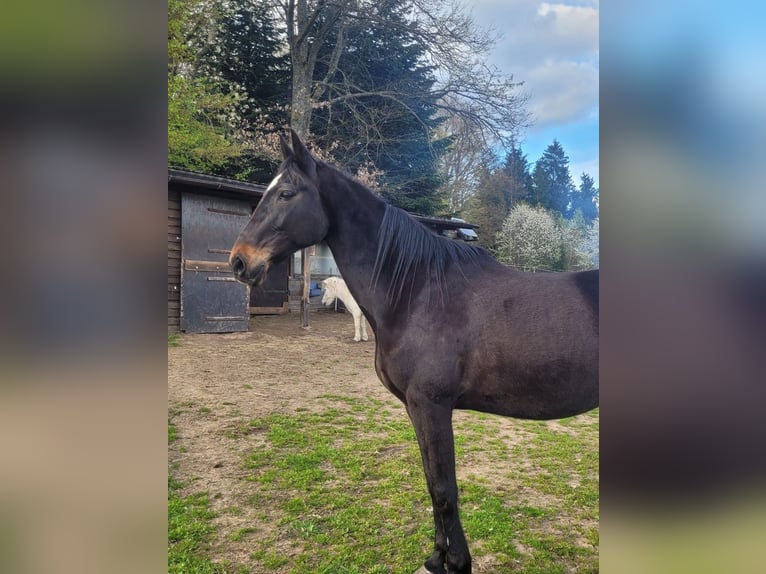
column 345, row 295
column 355, row 215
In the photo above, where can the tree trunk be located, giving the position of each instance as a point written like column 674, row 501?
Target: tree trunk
column 300, row 113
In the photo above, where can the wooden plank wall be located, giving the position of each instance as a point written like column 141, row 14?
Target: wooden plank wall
column 174, row 260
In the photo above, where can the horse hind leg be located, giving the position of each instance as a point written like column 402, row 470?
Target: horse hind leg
column 364, row 328
column 357, row 337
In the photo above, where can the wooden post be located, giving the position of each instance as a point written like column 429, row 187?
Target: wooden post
column 306, row 295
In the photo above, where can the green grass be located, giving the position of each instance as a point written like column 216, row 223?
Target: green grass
column 174, row 339
column 172, row 433
column 189, row 533
column 345, row 487
column 190, row 530
column 241, row 534
column 342, row 491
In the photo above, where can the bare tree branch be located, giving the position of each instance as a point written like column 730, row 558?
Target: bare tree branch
column 456, row 49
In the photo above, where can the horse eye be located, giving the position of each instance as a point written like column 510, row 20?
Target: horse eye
column 287, row 194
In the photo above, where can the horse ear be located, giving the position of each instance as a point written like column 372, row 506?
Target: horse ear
column 303, row 156
column 286, row 151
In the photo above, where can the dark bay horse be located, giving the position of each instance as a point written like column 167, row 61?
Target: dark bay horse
column 454, row 329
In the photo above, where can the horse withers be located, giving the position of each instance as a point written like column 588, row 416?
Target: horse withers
column 454, row 329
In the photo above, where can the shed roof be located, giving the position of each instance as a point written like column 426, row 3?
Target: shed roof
column 214, row 183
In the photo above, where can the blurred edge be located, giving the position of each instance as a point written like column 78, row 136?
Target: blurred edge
column 683, row 305
column 83, row 409
column 82, row 391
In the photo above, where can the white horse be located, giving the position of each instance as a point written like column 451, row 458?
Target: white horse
column 335, row 288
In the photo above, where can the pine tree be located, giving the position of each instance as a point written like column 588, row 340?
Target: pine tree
column 552, row 181
column 249, row 59
column 375, row 128
column 516, row 167
column 252, row 56
column 489, row 207
column 586, row 199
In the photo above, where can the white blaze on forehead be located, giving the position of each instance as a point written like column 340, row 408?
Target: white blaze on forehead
column 274, row 182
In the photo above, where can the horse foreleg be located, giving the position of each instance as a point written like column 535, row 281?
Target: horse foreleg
column 364, row 327
column 433, row 427
column 357, row 318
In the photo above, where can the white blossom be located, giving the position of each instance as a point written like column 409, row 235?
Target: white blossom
column 530, row 240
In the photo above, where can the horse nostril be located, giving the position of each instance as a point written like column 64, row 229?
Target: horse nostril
column 238, row 265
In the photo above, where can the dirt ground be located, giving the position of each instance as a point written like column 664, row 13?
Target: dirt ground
column 218, row 382
column 276, row 367
column 287, row 366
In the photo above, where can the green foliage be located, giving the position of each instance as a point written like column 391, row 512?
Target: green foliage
column 516, row 168
column 249, row 61
column 251, row 57
column 585, row 199
column 199, row 136
column 374, row 100
column 500, row 187
column 197, row 140
column 178, row 24
column 488, row 207
column 371, row 90
column 525, row 222
column 552, row 181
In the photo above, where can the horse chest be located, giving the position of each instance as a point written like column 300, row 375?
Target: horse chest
column 388, row 382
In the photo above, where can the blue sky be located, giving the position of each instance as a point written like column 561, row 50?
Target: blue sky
column 553, row 48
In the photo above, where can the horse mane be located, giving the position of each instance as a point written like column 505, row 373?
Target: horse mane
column 408, row 250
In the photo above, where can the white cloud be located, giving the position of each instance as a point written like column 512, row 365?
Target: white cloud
column 553, row 48
column 562, row 91
column 534, row 31
column 573, row 29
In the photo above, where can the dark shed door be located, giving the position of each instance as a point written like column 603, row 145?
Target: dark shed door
column 212, row 301
column 274, row 292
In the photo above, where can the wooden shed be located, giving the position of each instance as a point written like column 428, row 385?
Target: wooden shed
column 205, row 215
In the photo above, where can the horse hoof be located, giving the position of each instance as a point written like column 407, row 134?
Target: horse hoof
column 423, row 570
column 356, row 339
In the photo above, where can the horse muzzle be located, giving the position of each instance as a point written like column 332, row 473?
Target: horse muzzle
column 249, row 267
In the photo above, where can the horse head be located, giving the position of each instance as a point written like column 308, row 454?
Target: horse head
column 329, row 290
column 289, row 217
